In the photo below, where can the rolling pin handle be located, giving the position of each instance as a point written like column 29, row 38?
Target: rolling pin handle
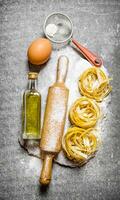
column 62, row 68
column 46, row 170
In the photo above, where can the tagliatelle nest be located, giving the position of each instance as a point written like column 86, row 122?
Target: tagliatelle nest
column 94, row 84
column 84, row 113
column 80, row 144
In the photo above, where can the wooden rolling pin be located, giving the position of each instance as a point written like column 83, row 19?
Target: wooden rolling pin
column 54, row 120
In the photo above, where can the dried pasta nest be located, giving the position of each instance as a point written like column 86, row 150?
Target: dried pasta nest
column 80, row 144
column 94, row 84
column 84, row 113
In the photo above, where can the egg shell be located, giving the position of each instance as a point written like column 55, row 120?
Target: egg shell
column 39, row 51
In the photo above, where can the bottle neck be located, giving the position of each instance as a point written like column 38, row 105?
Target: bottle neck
column 32, row 84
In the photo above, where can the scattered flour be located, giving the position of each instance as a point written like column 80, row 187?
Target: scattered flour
column 77, row 65
column 51, row 29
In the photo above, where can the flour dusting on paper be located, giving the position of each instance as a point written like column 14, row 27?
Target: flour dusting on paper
column 77, row 65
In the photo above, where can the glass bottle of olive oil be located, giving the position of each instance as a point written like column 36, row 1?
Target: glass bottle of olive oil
column 31, row 109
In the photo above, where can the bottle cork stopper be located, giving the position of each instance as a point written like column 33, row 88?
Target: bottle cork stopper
column 32, row 75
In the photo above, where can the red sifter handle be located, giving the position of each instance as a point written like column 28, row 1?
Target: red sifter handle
column 92, row 58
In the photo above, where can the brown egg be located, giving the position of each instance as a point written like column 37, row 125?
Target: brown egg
column 39, row 51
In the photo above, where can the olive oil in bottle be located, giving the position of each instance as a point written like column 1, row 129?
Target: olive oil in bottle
column 31, row 109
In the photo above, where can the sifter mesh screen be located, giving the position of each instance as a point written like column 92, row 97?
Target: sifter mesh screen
column 58, row 27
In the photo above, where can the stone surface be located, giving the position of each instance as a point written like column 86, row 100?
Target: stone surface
column 96, row 25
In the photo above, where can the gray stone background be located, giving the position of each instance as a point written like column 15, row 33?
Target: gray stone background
column 97, row 24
